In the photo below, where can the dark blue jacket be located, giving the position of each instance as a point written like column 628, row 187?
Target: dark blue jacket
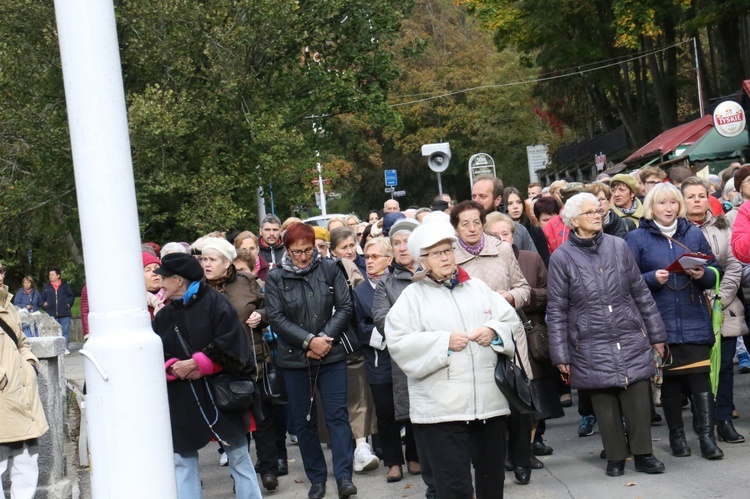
column 22, row 299
column 680, row 301
column 58, row 303
column 377, row 362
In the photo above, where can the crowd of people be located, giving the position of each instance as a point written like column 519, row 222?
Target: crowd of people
column 381, row 337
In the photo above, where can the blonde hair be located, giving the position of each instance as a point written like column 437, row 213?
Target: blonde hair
column 289, row 221
column 500, row 217
column 245, row 234
column 384, row 243
column 659, row 193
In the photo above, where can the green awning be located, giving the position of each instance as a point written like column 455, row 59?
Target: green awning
column 713, row 146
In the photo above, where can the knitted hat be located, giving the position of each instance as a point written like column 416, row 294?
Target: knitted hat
column 322, row 233
column 741, row 175
column 626, row 179
column 180, row 264
column 148, row 259
column 405, row 224
column 428, row 235
column 222, row 246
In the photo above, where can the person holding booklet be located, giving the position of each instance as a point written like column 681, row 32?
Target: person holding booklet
column 663, row 237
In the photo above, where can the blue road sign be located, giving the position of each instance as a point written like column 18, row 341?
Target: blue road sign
column 391, row 179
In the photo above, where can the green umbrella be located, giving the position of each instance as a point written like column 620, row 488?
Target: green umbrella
column 717, row 319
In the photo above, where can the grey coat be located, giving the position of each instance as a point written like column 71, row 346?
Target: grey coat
column 386, row 293
column 601, row 316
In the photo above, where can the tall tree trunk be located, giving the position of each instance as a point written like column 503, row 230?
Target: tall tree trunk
column 75, row 252
column 659, row 85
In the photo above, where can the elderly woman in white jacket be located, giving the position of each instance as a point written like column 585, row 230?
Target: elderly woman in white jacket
column 445, row 332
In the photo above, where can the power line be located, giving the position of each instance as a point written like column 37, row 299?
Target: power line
column 573, row 72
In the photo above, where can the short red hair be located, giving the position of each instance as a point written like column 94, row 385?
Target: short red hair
column 298, row 233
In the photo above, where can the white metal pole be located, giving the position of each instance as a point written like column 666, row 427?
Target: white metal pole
column 126, row 401
column 698, row 77
column 322, row 191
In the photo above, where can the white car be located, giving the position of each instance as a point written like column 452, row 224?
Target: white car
column 322, row 220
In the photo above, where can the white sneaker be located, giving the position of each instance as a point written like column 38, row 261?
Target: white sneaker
column 223, row 459
column 67, row 352
column 364, row 459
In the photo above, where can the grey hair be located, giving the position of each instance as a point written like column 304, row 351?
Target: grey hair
column 270, row 219
column 173, row 247
column 573, row 207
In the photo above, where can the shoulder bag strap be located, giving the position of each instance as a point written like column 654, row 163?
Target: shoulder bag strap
column 9, row 331
column 677, row 242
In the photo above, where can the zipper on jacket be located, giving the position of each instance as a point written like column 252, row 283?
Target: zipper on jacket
column 473, row 367
column 376, row 358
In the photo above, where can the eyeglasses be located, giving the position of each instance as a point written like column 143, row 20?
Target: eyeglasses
column 603, row 200
column 360, row 234
column 374, row 256
column 351, row 226
column 298, row 253
column 438, row 254
column 652, row 182
column 592, row 214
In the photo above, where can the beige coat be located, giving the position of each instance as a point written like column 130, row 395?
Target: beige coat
column 497, row 266
column 21, row 412
column 719, row 235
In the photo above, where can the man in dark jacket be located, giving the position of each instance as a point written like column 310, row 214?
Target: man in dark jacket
column 58, row 299
column 271, row 248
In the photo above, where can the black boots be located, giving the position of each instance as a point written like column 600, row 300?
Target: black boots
column 726, row 432
column 705, row 411
column 673, row 413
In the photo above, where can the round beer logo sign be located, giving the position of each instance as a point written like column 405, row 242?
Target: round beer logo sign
column 729, row 119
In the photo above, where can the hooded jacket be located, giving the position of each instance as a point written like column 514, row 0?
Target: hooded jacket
column 680, row 301
column 21, row 410
column 601, row 317
column 450, row 386
column 719, row 235
column 741, row 234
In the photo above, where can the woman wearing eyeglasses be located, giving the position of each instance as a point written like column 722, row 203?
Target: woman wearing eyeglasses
column 663, row 237
column 379, row 255
column 445, row 332
column 309, row 306
column 602, row 324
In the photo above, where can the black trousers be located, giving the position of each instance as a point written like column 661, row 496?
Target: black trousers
column 389, row 430
column 265, row 441
column 451, row 448
column 610, row 406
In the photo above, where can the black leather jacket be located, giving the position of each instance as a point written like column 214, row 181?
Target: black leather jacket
column 302, row 306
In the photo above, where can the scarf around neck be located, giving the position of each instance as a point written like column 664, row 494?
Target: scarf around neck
column 219, row 283
column 374, row 278
column 287, row 264
column 630, row 211
column 474, row 250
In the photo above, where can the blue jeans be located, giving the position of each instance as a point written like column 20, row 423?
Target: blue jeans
column 330, row 381
column 65, row 323
column 240, row 466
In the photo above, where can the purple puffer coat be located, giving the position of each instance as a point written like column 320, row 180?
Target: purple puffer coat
column 602, row 318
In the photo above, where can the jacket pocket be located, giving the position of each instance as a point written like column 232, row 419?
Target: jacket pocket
column 3, row 379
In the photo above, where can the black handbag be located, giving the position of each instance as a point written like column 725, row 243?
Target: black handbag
column 514, row 384
column 271, row 385
column 348, row 338
column 231, row 392
column 537, row 339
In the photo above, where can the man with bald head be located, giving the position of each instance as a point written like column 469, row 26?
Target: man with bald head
column 391, row 206
column 488, row 191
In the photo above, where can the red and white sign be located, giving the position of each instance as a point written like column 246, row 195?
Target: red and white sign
column 729, row 119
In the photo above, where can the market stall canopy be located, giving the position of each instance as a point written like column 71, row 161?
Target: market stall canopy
column 712, row 146
column 667, row 142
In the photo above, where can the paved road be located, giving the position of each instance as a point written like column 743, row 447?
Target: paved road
column 574, row 470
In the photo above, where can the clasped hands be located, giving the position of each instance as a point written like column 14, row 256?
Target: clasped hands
column 482, row 335
column 319, row 347
column 185, row 369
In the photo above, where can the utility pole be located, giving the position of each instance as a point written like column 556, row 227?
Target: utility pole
column 126, row 399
